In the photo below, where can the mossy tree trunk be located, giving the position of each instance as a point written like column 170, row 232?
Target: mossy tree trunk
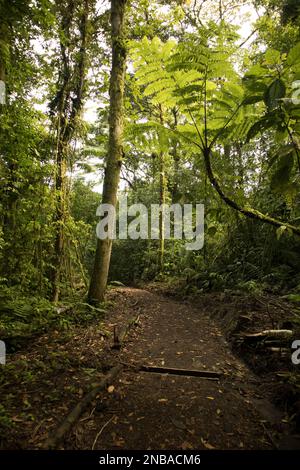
column 115, row 149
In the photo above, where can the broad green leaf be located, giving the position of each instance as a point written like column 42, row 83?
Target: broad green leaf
column 294, row 55
column 282, row 175
column 274, row 93
column 272, row 57
column 255, row 86
column 259, row 126
column 253, row 99
column 256, row 71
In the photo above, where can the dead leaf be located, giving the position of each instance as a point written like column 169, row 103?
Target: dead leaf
column 206, row 444
column 119, row 443
column 110, row 389
column 186, row 445
column 16, row 419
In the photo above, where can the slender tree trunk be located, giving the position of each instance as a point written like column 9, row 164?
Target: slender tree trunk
column 162, row 200
column 221, row 10
column 241, row 168
column 176, row 159
column 115, row 150
column 60, row 217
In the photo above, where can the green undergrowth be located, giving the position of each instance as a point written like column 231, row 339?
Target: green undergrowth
column 23, row 317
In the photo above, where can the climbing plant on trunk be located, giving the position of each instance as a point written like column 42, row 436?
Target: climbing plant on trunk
column 66, row 108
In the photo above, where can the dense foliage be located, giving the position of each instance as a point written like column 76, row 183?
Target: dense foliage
column 211, row 116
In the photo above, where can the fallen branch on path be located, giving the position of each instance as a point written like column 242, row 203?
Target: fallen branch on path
column 73, row 416
column 100, row 432
column 204, row 374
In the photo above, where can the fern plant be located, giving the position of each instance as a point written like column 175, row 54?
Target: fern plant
column 215, row 105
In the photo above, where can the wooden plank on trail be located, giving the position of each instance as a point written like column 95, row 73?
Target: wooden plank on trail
column 204, row 374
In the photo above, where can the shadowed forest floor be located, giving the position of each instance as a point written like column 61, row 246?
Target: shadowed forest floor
column 141, row 410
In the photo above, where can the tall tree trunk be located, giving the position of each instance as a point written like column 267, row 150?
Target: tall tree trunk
column 115, row 150
column 176, row 161
column 162, row 200
column 60, row 217
column 68, row 103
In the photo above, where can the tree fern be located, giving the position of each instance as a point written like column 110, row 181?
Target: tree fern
column 215, row 104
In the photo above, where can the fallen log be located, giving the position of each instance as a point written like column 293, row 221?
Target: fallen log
column 73, row 416
column 272, row 334
column 278, row 336
column 204, row 374
column 281, row 351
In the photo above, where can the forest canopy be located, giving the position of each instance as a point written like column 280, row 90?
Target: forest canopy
column 209, row 114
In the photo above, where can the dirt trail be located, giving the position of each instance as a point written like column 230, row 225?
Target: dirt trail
column 153, row 411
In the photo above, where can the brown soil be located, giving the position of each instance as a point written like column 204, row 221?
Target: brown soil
column 143, row 410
